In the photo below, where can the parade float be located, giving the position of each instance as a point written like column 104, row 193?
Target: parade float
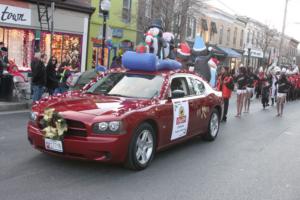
column 128, row 115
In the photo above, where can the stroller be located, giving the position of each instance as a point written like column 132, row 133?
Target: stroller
column 22, row 89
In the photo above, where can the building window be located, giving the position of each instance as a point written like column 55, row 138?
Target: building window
column 248, row 37
column 221, row 35
column 148, row 8
column 253, row 38
column 234, row 36
column 228, row 35
column 242, row 38
column 126, row 12
column 191, row 28
column 204, row 25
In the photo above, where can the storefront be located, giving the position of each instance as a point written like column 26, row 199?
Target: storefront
column 20, row 33
column 256, row 58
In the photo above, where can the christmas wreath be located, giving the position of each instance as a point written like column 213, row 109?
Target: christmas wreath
column 55, row 125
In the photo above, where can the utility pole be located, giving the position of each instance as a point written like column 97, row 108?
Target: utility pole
column 282, row 32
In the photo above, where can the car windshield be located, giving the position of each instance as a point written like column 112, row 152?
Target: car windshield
column 128, row 85
column 84, row 79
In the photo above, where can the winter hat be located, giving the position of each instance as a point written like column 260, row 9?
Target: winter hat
column 169, row 37
column 141, row 48
column 156, row 23
column 213, row 63
column 183, row 50
column 283, row 70
column 4, row 49
column 199, row 45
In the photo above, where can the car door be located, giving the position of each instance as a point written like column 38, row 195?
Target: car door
column 200, row 103
column 182, row 110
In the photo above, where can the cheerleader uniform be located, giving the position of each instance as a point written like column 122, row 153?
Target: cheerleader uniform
column 242, row 82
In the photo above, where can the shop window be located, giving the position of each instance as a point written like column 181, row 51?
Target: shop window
column 97, row 56
column 20, row 46
column 126, row 12
column 66, row 48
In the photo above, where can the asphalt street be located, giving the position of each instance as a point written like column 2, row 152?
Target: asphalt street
column 256, row 157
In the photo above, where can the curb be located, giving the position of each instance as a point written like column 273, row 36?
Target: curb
column 14, row 106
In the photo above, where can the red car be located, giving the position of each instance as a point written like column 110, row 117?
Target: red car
column 127, row 116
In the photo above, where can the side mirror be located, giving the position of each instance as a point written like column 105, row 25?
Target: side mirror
column 178, row 94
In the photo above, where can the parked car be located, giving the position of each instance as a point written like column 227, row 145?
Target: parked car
column 128, row 116
column 78, row 80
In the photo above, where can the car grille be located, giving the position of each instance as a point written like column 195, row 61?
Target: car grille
column 75, row 128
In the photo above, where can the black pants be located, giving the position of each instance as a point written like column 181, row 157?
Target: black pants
column 226, row 104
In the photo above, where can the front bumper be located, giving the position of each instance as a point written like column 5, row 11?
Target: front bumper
column 112, row 149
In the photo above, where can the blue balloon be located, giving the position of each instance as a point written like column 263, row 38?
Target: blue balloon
column 168, row 64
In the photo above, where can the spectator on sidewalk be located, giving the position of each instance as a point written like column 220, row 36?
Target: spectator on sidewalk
column 225, row 85
column 2, row 64
column 52, row 79
column 38, row 76
column 63, row 74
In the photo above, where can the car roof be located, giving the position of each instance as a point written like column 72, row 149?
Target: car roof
column 158, row 72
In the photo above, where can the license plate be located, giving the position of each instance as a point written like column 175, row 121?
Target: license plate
column 53, row 145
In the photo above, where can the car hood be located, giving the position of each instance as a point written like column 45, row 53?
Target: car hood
column 96, row 105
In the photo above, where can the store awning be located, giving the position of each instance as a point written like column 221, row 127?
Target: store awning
column 231, row 53
column 216, row 51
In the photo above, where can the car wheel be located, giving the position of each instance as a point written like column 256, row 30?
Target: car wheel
column 213, row 126
column 142, row 148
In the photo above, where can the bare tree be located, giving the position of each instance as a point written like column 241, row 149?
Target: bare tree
column 265, row 39
column 173, row 13
column 182, row 10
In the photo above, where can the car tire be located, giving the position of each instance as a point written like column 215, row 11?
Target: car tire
column 142, row 148
column 213, row 126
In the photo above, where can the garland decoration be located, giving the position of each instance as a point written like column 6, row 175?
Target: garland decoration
column 55, row 125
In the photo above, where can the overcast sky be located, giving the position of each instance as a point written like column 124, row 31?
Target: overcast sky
column 266, row 11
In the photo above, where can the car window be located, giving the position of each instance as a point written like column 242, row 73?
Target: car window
column 191, row 86
column 198, row 86
column 128, row 85
column 180, row 83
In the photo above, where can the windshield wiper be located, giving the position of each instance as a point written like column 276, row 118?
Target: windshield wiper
column 119, row 95
column 88, row 92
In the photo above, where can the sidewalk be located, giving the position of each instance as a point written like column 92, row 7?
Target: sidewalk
column 14, row 106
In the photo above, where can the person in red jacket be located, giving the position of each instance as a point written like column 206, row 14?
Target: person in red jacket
column 225, row 85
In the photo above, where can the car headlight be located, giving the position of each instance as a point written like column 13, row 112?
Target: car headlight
column 103, row 126
column 33, row 116
column 113, row 127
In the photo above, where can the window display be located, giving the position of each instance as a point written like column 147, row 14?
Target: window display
column 63, row 46
column 20, row 46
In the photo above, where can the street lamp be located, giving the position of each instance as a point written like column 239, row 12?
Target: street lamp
column 104, row 9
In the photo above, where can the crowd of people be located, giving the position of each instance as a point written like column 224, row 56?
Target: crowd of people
column 48, row 75
column 276, row 84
